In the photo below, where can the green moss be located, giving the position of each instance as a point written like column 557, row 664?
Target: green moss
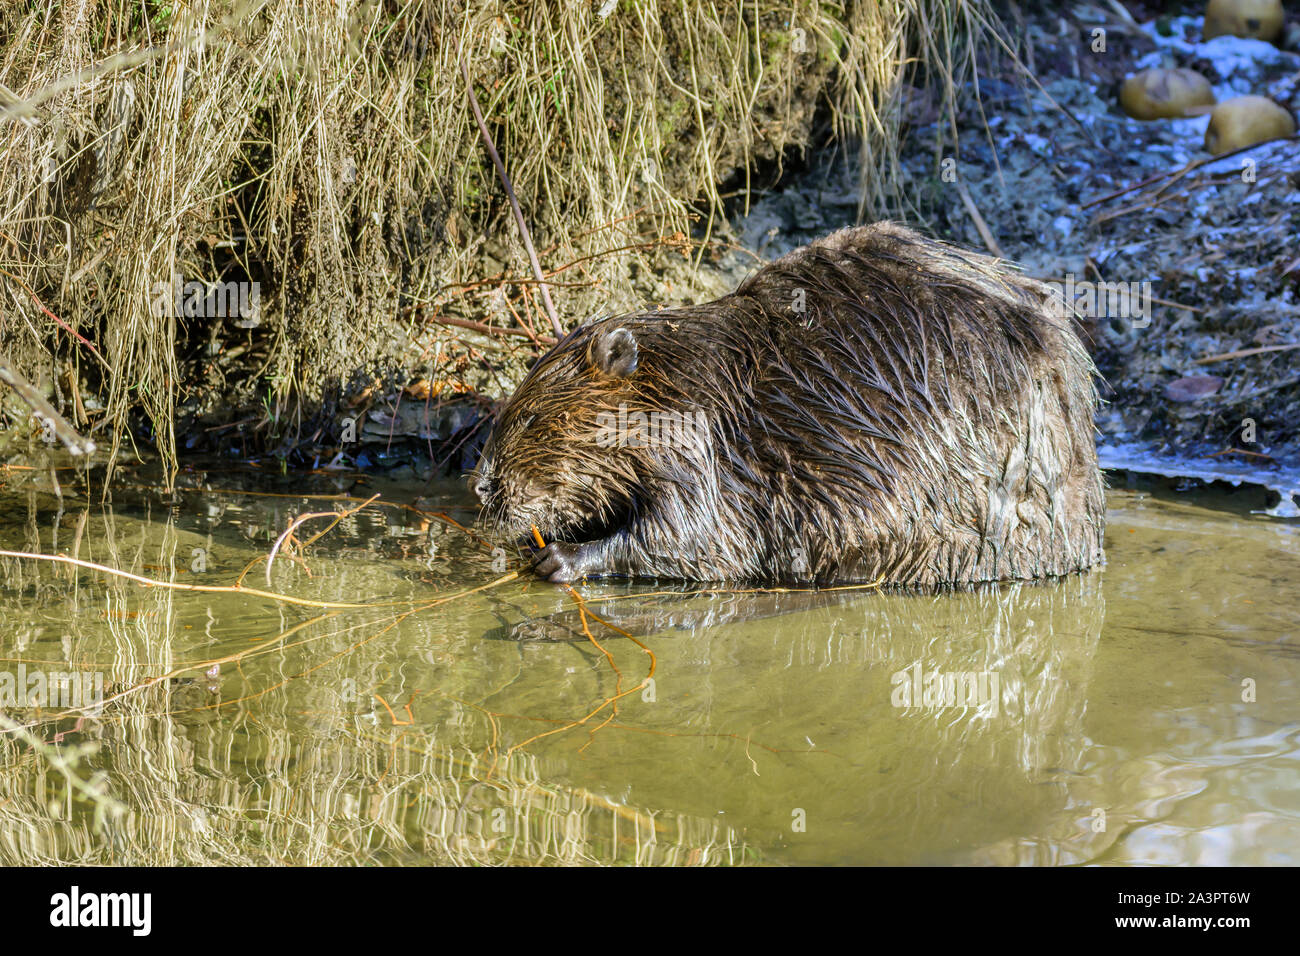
column 775, row 42
column 672, row 117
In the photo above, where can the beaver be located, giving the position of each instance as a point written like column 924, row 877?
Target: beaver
column 873, row 407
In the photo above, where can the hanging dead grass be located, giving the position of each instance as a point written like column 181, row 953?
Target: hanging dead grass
column 327, row 153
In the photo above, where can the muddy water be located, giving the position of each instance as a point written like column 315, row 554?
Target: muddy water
column 1144, row 714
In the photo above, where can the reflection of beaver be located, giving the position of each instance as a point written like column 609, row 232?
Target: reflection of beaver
column 875, row 405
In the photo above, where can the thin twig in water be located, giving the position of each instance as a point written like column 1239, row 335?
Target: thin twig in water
column 264, row 645
column 176, row 586
column 612, row 701
column 336, row 515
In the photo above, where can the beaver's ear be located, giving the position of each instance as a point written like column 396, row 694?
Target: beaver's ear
column 614, row 352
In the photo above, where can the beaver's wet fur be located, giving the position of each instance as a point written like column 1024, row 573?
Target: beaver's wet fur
column 876, row 406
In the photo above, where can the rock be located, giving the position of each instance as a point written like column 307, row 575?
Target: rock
column 1164, row 94
column 1193, row 388
column 1245, row 121
column 1258, row 19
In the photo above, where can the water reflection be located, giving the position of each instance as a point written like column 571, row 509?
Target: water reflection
column 1100, row 718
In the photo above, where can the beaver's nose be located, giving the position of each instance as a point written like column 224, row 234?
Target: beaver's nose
column 483, row 488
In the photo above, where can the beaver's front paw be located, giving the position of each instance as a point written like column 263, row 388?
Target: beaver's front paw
column 560, row 562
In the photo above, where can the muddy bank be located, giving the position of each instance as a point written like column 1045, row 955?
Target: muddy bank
column 1185, row 267
column 1201, row 358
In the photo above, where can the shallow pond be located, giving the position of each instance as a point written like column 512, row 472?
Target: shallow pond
column 1146, row 713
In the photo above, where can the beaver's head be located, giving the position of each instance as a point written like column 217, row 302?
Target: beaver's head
column 555, row 458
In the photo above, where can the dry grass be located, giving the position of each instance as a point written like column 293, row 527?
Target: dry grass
column 327, row 152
